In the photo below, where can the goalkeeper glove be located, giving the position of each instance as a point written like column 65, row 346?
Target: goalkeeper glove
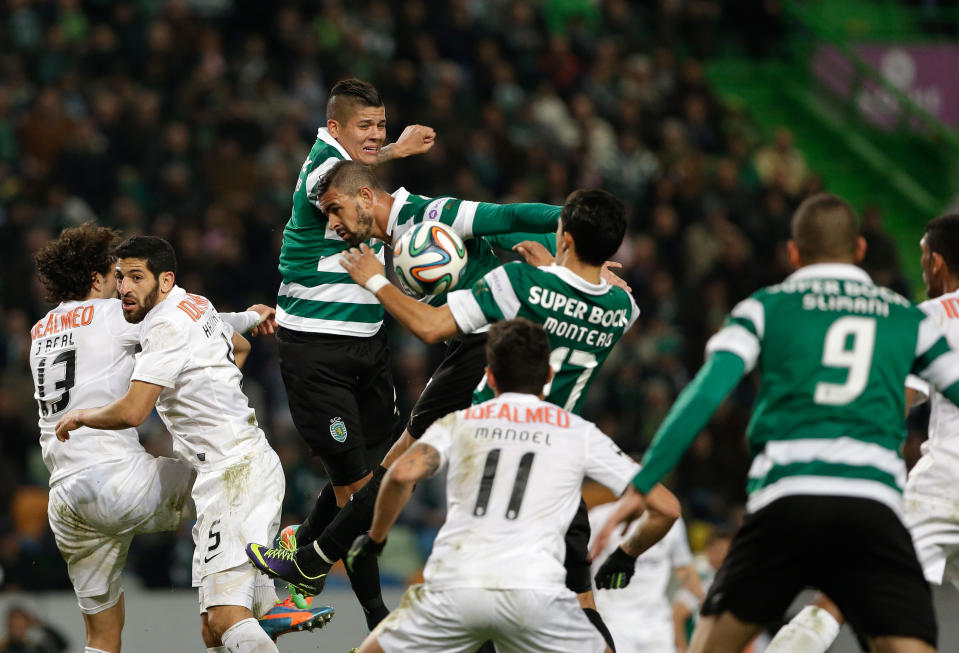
column 616, row 572
column 363, row 546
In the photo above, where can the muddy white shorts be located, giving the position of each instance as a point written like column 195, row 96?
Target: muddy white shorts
column 235, row 504
column 516, row 620
column 95, row 513
column 934, row 525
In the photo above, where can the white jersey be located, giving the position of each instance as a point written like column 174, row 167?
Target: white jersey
column 81, row 356
column 188, row 350
column 515, row 473
column 644, row 600
column 938, row 468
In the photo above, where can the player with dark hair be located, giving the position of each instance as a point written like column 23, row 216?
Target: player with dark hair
column 332, row 345
column 584, row 314
column 825, row 486
column 188, row 370
column 930, row 489
column 359, row 209
column 104, row 488
column 515, row 471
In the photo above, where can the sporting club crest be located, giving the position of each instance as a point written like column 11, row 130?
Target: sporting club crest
column 338, row 429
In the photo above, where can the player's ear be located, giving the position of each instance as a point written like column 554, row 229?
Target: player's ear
column 166, row 281
column 366, row 195
column 793, row 251
column 860, row 249
column 491, row 380
column 333, row 127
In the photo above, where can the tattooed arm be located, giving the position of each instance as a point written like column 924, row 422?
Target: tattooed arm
column 420, row 461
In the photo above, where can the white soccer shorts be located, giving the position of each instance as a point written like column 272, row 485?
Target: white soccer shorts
column 235, row 504
column 242, row 585
column 934, row 526
column 95, row 513
column 655, row 636
column 454, row 620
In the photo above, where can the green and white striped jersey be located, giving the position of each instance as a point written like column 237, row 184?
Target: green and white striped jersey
column 316, row 293
column 584, row 320
column 833, row 350
column 471, row 221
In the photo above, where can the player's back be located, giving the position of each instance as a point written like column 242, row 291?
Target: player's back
column 515, row 471
column 833, row 350
column 188, row 350
column 937, row 469
column 81, row 355
column 584, row 321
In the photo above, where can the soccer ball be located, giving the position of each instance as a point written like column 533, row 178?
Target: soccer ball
column 429, row 258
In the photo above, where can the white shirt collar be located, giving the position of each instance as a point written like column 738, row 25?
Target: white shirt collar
column 400, row 196
column 324, row 135
column 577, row 281
column 830, row 271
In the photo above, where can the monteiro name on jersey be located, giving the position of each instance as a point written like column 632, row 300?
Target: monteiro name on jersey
column 316, row 295
column 515, row 473
column 833, row 350
column 188, row 350
column 471, row 221
column 584, row 320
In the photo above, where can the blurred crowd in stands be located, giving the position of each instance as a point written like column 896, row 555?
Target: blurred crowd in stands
column 190, row 119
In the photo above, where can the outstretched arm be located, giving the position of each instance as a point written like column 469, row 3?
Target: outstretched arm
column 420, row 461
column 429, row 323
column 132, row 409
column 692, row 410
column 415, row 139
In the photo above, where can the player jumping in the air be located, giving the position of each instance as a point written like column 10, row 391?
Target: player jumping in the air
column 187, row 369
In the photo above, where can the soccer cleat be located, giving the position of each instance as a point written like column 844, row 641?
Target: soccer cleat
column 284, row 617
column 286, row 539
column 279, row 563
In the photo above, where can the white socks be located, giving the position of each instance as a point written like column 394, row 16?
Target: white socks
column 90, row 649
column 247, row 636
column 217, row 649
column 813, row 630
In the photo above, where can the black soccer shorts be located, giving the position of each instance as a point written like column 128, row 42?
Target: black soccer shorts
column 452, row 384
column 341, row 396
column 855, row 550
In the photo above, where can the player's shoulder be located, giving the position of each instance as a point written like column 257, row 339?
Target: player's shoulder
column 176, row 313
column 945, row 307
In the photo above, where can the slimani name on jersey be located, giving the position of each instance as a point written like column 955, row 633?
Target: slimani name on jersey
column 833, row 350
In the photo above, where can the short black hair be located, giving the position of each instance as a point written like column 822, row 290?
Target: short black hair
column 597, row 222
column 348, row 177
column 66, row 265
column 825, row 228
column 347, row 94
column 517, row 352
column 157, row 253
column 942, row 237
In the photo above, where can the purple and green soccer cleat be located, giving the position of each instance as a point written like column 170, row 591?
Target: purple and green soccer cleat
column 280, row 563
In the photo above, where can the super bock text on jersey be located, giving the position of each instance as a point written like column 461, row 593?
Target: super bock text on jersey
column 584, row 320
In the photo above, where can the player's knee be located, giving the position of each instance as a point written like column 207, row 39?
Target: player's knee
column 210, row 640
column 219, row 622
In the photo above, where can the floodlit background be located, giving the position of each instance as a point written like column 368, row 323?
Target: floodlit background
column 711, row 120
